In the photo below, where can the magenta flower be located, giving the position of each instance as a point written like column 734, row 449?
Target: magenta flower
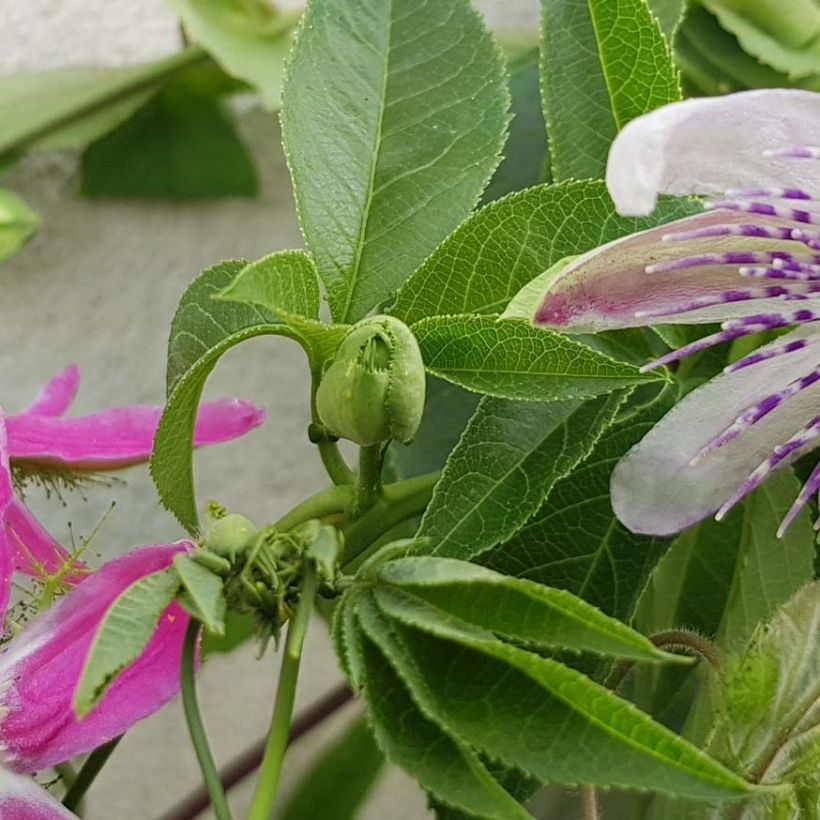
column 751, row 261
column 22, row 799
column 106, row 440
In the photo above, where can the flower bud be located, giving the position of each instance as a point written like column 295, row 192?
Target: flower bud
column 229, row 534
column 374, row 388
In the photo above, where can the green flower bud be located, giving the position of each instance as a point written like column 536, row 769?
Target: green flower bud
column 374, row 388
column 230, row 536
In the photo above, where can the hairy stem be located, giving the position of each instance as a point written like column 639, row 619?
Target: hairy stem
column 271, row 767
column 196, row 728
column 368, row 480
column 88, row 774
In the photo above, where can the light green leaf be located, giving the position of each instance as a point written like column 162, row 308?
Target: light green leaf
column 505, row 245
column 603, row 63
column 340, row 779
column 70, row 107
column 181, row 145
column 575, row 541
column 248, row 38
column 380, row 178
column 786, row 36
column 535, row 713
column 202, row 330
column 513, row 360
column 513, row 608
column 18, row 223
column 443, row 765
column 346, row 639
column 123, row 634
column 204, row 599
column 668, row 13
column 505, row 465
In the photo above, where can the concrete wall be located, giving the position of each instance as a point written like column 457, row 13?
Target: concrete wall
column 98, row 286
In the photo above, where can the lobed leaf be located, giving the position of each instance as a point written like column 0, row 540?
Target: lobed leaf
column 380, row 180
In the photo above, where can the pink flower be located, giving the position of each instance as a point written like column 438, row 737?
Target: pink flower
column 106, row 440
column 22, row 799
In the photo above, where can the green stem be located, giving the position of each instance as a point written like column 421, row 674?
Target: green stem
column 88, row 773
column 332, row 501
column 397, row 503
column 334, row 463
column 369, row 479
column 196, row 728
column 277, row 744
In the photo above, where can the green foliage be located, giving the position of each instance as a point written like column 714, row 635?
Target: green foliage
column 668, row 14
column 249, row 38
column 18, row 223
column 123, row 635
column 339, row 780
column 378, row 184
column 603, row 63
column 510, row 359
column 202, row 594
column 505, row 465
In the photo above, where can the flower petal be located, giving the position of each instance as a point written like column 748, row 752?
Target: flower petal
column 121, row 436
column 55, row 396
column 40, row 669
column 21, row 798
column 673, row 478
column 35, row 551
column 711, row 145
column 6, row 499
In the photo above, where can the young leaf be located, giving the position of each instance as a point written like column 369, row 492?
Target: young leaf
column 248, row 38
column 346, row 639
column 17, row 223
column 123, row 635
column 516, row 609
column 510, row 359
column 603, row 63
column 73, row 106
column 204, row 599
column 505, row 465
column 506, row 244
column 340, row 779
column 181, row 145
column 442, row 764
column 393, row 118
column 535, row 713
column 575, row 542
column 202, row 330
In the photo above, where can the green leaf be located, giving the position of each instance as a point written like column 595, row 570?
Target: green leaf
column 70, row 107
column 202, row 330
column 668, row 13
column 181, row 145
column 18, row 223
column 505, row 465
column 603, row 63
column 526, row 158
column 239, row 628
column 381, row 178
column 535, row 713
column 575, row 541
column 513, row 360
column 340, row 779
column 204, row 598
column 123, row 635
column 497, row 251
column 784, row 36
column 443, row 765
column 249, row 39
column 516, row 609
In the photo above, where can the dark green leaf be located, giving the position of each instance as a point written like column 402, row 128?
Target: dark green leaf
column 238, row 629
column 123, row 635
column 204, row 598
column 505, row 465
column 493, row 254
column 603, row 63
column 381, row 177
column 510, row 359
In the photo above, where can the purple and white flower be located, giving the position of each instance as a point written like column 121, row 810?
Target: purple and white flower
column 751, row 261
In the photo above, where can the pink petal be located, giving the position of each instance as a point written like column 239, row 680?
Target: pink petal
column 23, row 799
column 6, row 498
column 121, row 436
column 35, row 551
column 40, row 669
column 56, row 395
column 711, row 145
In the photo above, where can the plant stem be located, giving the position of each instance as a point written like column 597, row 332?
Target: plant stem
column 590, row 799
column 196, row 728
column 327, row 502
column 271, row 767
column 369, row 479
column 88, row 773
column 335, row 465
column 397, row 502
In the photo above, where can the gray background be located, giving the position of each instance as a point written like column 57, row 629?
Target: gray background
column 98, row 286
